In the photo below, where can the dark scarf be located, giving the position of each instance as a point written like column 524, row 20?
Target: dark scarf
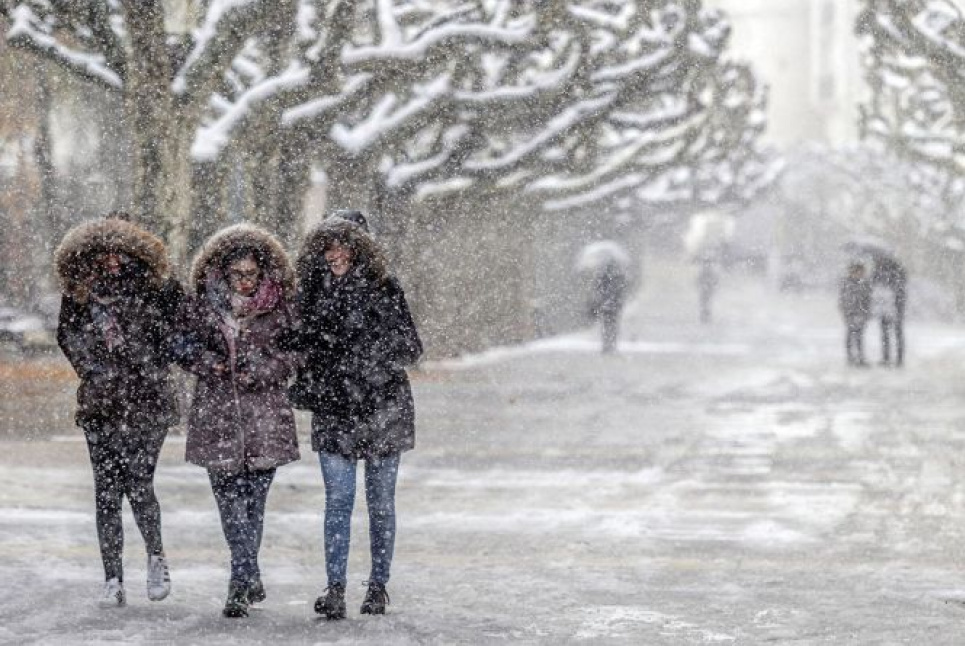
column 103, row 310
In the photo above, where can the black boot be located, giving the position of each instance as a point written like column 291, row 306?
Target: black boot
column 256, row 592
column 237, row 603
column 376, row 599
column 332, row 605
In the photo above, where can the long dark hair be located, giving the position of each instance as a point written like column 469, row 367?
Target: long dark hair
column 368, row 259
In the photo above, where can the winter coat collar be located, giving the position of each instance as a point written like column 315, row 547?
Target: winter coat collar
column 208, row 261
column 75, row 253
column 369, row 258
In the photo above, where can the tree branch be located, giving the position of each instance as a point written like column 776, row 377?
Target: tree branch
column 26, row 32
column 226, row 26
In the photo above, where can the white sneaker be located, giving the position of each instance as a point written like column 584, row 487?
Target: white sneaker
column 158, row 577
column 113, row 595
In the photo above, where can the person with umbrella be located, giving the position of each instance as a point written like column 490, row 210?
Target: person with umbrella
column 890, row 278
column 609, row 263
column 707, row 280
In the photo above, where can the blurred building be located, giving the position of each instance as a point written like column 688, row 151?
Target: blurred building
column 807, row 53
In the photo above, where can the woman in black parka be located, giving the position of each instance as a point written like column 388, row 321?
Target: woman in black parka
column 117, row 315
column 356, row 337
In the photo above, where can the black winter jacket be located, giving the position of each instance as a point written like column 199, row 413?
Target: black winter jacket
column 356, row 337
column 854, row 300
column 609, row 290
column 129, row 384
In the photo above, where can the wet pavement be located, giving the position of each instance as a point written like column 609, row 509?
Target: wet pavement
column 731, row 483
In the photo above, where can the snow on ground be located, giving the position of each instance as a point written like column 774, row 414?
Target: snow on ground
column 724, row 484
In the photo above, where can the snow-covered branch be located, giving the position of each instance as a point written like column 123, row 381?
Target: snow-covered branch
column 575, row 102
column 405, row 174
column 370, row 57
column 217, row 40
column 556, row 128
column 212, row 138
column 916, row 68
column 388, row 116
column 328, row 104
column 27, row 31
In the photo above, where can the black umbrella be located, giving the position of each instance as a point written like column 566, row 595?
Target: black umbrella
column 871, row 247
column 886, row 268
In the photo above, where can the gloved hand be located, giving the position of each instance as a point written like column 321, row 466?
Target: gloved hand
column 211, row 364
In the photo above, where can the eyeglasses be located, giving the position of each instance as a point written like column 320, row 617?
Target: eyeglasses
column 244, row 275
column 112, row 257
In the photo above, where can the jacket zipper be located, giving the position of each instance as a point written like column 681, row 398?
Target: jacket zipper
column 232, row 359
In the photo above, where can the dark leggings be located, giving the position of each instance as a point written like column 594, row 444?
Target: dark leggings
column 706, row 296
column 610, row 328
column 241, row 499
column 124, row 459
column 854, row 343
column 892, row 328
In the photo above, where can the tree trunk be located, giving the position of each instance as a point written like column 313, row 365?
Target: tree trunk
column 48, row 226
column 209, row 207
column 162, row 175
column 958, row 282
column 350, row 184
column 294, row 179
column 261, row 185
column 42, row 152
column 161, row 130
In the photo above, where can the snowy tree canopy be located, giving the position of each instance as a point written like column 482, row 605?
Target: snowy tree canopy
column 870, row 192
column 575, row 103
column 915, row 57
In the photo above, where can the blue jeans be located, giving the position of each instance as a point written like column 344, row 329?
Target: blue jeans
column 338, row 472
column 241, row 499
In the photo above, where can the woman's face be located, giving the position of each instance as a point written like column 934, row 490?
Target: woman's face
column 244, row 276
column 339, row 259
column 109, row 263
column 111, row 273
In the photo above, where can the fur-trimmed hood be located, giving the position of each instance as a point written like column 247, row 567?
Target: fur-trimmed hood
column 75, row 253
column 243, row 235
column 368, row 259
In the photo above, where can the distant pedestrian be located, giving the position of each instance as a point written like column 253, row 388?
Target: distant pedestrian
column 854, row 302
column 241, row 426
column 356, row 337
column 117, row 312
column 884, row 309
column 707, row 280
column 891, row 274
column 609, row 294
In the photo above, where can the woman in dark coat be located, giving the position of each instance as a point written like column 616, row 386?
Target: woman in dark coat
column 854, row 303
column 241, row 426
column 116, row 317
column 356, row 337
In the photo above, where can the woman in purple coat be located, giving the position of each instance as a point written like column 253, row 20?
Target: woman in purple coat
column 241, row 426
